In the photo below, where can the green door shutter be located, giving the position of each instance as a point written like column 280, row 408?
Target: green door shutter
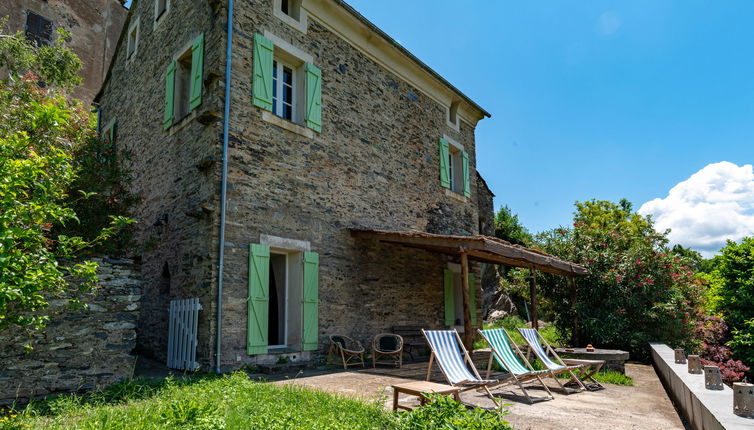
column 262, row 85
column 313, row 97
column 444, row 166
column 311, row 301
column 167, row 117
column 197, row 67
column 258, row 301
column 450, row 307
column 472, row 298
column 466, row 183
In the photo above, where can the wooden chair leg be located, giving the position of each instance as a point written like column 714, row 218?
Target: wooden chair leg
column 343, row 357
column 429, row 368
column 374, row 359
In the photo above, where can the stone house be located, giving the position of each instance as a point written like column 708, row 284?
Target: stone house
column 95, row 26
column 279, row 203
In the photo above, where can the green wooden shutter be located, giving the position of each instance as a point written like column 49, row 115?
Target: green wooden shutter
column 444, row 167
column 466, row 182
column 258, row 301
column 112, row 133
column 197, row 68
column 262, row 85
column 167, row 117
column 472, row 298
column 311, row 301
column 450, row 307
column 313, row 97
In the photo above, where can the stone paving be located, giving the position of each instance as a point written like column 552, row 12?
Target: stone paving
column 642, row 406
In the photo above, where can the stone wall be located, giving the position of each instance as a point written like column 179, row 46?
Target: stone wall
column 176, row 172
column 80, row 349
column 95, row 26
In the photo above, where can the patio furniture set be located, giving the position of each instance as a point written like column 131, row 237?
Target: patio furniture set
column 456, row 365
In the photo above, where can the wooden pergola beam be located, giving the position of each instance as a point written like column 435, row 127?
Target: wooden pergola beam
column 468, row 336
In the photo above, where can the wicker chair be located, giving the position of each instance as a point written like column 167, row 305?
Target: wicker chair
column 350, row 351
column 387, row 345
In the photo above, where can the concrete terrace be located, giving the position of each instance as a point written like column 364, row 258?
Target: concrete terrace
column 642, row 406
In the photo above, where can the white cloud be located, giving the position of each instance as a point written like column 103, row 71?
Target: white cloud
column 713, row 205
column 609, row 23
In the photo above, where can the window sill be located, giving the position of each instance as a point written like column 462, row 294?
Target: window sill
column 175, row 128
column 460, row 197
column 301, row 24
column 273, row 119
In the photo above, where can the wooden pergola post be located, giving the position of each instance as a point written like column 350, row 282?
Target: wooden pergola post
column 533, row 295
column 575, row 331
column 468, row 336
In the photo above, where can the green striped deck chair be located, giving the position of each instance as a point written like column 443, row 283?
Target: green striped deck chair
column 506, row 354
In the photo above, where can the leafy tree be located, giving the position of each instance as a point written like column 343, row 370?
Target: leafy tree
column 508, row 227
column 40, row 130
column 733, row 295
column 636, row 290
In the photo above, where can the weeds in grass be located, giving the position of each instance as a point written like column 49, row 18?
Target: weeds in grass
column 607, row 376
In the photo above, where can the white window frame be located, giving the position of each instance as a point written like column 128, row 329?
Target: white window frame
column 299, row 24
column 278, row 105
column 159, row 18
column 135, row 27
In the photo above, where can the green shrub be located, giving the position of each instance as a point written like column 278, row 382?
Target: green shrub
column 636, row 290
column 445, row 413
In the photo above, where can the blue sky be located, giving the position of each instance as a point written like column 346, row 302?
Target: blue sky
column 601, row 99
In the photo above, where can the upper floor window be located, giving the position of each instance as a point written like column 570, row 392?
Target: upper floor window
column 133, row 40
column 452, row 118
column 454, row 167
column 161, row 8
column 38, row 29
column 283, row 91
column 286, row 82
column 290, row 12
column 183, row 83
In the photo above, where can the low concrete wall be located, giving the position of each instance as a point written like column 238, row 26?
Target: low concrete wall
column 704, row 409
column 80, row 349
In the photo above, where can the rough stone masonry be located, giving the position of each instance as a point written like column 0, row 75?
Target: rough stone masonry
column 80, row 349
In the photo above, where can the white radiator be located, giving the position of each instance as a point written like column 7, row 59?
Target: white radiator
column 184, row 320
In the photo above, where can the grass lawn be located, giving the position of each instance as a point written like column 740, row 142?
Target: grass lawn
column 232, row 402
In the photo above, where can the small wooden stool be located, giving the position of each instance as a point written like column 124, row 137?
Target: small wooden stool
column 587, row 372
column 418, row 388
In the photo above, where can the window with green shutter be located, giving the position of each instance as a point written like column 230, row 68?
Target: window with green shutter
column 258, row 299
column 444, row 163
column 311, row 302
column 168, row 116
column 465, row 168
column 183, row 83
column 262, row 69
column 313, row 97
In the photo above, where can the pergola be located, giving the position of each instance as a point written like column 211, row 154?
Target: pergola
column 484, row 249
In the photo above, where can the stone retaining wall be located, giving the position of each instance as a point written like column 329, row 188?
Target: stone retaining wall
column 80, row 349
column 704, row 409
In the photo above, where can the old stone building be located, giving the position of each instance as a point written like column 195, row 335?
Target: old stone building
column 95, row 26
column 332, row 132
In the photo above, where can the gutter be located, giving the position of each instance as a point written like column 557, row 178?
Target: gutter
column 224, row 189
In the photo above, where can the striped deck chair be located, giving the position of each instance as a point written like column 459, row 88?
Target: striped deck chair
column 454, row 362
column 535, row 341
column 506, row 354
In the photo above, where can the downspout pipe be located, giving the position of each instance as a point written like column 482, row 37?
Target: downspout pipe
column 224, row 190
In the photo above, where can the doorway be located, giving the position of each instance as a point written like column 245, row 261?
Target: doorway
column 278, row 304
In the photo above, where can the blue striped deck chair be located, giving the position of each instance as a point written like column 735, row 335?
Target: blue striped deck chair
column 535, row 341
column 454, row 362
column 507, row 355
